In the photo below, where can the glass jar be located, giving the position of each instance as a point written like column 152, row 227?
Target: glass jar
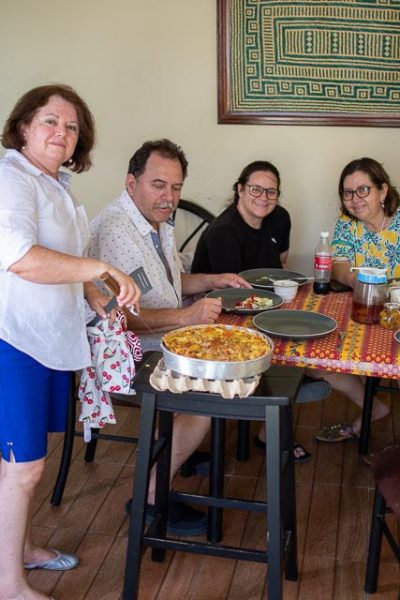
column 389, row 317
column 369, row 295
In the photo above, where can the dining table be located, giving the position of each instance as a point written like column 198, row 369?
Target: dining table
column 367, row 350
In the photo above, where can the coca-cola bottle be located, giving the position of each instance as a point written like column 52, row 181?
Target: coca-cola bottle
column 322, row 264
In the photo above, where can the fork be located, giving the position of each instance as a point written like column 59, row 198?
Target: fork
column 342, row 335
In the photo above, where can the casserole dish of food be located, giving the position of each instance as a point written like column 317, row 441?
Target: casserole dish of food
column 217, row 351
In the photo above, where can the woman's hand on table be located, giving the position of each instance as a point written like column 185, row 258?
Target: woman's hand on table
column 341, row 272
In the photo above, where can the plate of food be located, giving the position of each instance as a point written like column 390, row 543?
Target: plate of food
column 295, row 324
column 246, row 301
column 265, row 278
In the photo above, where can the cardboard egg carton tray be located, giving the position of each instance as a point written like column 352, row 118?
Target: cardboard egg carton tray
column 164, row 379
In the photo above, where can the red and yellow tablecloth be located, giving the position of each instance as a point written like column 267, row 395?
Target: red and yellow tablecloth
column 364, row 350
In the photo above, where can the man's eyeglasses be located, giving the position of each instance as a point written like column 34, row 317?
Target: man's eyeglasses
column 362, row 191
column 256, row 191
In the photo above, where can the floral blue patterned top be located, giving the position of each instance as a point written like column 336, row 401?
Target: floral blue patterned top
column 364, row 248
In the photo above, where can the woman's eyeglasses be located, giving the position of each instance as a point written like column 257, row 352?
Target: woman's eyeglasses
column 362, row 191
column 256, row 191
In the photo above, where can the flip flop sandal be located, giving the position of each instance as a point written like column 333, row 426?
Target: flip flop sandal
column 300, row 454
column 337, row 433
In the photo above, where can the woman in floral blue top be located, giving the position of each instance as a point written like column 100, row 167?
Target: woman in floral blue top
column 366, row 235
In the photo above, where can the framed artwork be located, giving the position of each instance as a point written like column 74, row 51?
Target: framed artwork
column 309, row 62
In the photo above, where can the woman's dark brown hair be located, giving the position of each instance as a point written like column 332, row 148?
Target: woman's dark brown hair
column 26, row 108
column 378, row 176
column 257, row 165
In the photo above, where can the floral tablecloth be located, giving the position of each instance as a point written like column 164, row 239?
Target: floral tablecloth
column 365, row 349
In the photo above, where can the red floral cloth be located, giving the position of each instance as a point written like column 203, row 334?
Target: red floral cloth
column 369, row 350
column 114, row 351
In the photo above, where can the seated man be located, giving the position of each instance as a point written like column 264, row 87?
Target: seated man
column 136, row 230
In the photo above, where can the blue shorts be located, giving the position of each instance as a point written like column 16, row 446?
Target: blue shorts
column 33, row 402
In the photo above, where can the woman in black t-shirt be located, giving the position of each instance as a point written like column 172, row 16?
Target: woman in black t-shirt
column 253, row 232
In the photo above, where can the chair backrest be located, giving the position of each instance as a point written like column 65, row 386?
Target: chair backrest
column 190, row 221
column 386, row 471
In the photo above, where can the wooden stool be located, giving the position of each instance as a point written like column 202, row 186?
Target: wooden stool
column 386, row 470
column 271, row 402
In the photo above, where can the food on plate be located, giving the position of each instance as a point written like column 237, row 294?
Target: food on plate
column 254, row 302
column 216, row 342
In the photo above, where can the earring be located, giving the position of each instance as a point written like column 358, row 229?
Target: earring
column 70, row 162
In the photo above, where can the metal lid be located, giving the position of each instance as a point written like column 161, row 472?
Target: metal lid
column 371, row 275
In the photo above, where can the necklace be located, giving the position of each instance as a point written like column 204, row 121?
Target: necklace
column 383, row 223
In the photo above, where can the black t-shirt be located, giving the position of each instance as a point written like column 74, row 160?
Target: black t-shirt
column 229, row 245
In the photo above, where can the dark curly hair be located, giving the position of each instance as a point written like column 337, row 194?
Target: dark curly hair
column 378, row 176
column 26, row 108
column 257, row 165
column 165, row 148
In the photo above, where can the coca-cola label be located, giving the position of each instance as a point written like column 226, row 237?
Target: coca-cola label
column 323, row 263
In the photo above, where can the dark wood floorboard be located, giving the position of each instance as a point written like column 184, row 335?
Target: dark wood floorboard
column 334, row 502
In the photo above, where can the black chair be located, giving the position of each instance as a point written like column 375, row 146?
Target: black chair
column 386, row 470
column 71, row 433
column 193, row 223
column 372, row 386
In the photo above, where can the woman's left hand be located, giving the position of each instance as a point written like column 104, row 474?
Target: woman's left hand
column 129, row 293
column 97, row 302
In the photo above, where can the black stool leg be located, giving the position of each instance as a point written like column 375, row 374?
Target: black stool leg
column 243, row 436
column 91, row 447
column 370, row 388
column 216, row 484
column 289, row 495
column 273, row 478
column 165, row 429
column 139, row 497
column 375, row 543
column 67, row 448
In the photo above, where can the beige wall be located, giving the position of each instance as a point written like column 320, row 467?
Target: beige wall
column 147, row 69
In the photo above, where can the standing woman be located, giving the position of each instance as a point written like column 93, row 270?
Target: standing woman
column 44, row 278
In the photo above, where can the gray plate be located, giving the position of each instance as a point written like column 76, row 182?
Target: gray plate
column 232, row 295
column 260, row 278
column 397, row 336
column 295, row 324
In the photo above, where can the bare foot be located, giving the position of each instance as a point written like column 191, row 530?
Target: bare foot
column 379, row 411
column 24, row 593
column 37, row 554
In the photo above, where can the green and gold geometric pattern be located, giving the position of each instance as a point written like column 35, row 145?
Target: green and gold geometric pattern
column 315, row 56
